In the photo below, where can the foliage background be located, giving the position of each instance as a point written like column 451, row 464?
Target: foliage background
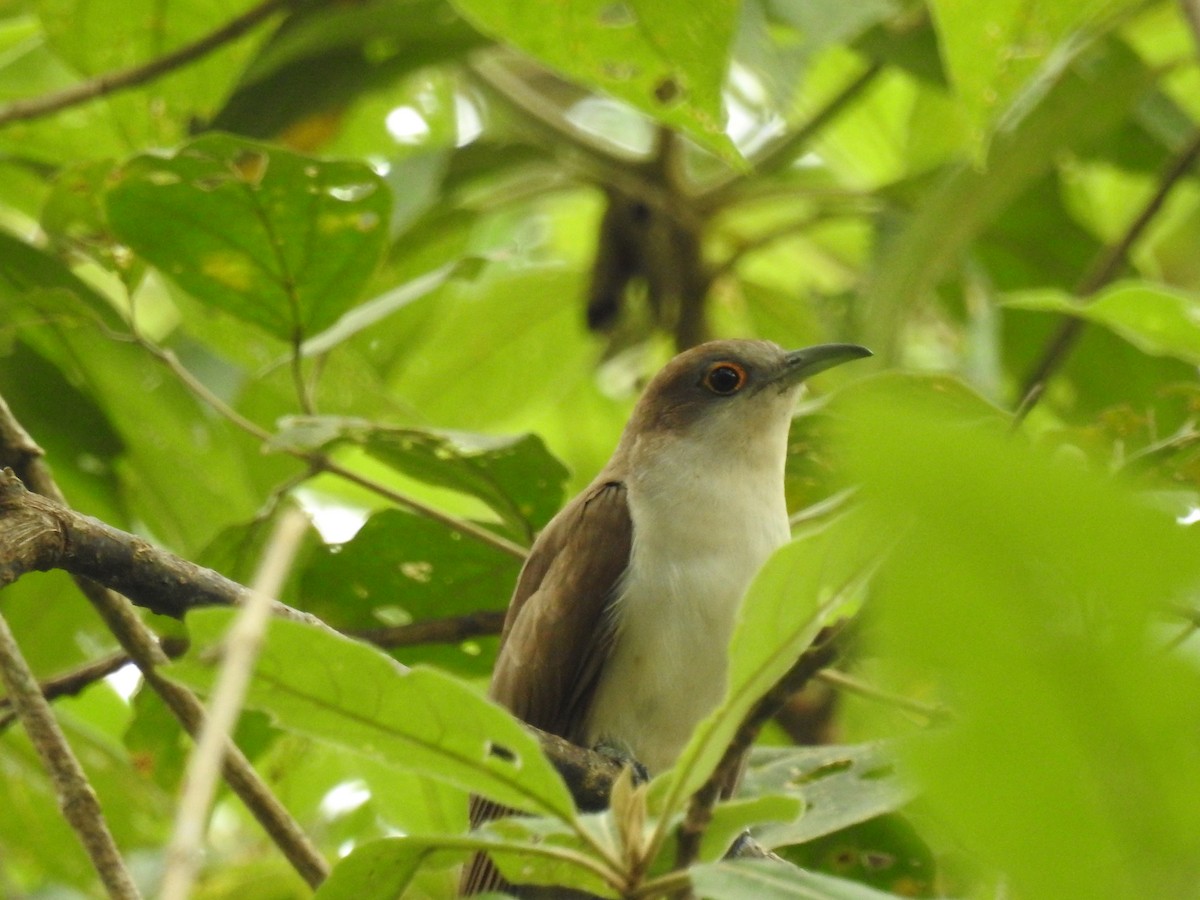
column 375, row 233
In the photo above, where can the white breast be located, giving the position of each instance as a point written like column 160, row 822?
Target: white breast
column 702, row 529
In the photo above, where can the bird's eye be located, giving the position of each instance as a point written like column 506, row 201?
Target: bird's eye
column 725, row 378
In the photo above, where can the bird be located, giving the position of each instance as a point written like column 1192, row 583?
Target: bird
column 617, row 632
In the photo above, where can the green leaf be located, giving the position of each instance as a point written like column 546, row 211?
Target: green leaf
column 770, row 880
column 349, row 694
column 401, row 561
column 731, row 818
column 884, row 852
column 840, row 786
column 1157, row 319
column 279, row 240
column 1031, row 590
column 516, row 477
column 666, row 57
column 803, row 587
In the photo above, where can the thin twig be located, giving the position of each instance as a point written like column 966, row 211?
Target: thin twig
column 1101, row 272
column 69, row 683
column 242, row 646
column 76, row 797
column 122, row 79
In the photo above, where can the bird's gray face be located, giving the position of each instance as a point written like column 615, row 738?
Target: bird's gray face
column 732, row 391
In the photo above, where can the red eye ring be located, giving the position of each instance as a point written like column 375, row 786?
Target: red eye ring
column 725, row 378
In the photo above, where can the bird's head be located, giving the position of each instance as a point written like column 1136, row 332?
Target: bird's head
column 729, row 395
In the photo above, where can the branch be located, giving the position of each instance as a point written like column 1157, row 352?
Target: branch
column 70, row 683
column 122, row 79
column 699, row 814
column 40, row 534
column 1102, row 271
column 141, row 644
column 76, row 798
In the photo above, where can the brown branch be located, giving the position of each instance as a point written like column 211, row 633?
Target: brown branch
column 143, row 647
column 40, row 534
column 76, row 798
column 1101, row 272
column 821, row 654
column 123, row 79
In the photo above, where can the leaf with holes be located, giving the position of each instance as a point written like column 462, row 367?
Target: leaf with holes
column 840, row 786
column 279, row 240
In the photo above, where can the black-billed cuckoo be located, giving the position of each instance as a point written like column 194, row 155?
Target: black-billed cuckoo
column 617, row 632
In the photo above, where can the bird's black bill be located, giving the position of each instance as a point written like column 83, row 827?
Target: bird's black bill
column 801, row 364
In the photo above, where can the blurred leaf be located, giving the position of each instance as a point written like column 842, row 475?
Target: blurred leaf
column 771, row 880
column 840, row 786
column 419, row 720
column 1154, row 318
column 282, row 241
column 666, row 57
column 1030, row 590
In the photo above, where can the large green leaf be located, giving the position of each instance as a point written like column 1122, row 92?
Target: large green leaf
column 282, row 241
column 343, row 692
column 666, row 57
column 1030, row 589
column 1157, row 319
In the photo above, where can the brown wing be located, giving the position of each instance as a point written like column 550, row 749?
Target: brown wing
column 558, row 631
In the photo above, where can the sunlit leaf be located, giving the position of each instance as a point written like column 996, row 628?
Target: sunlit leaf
column 279, row 240
column 840, row 786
